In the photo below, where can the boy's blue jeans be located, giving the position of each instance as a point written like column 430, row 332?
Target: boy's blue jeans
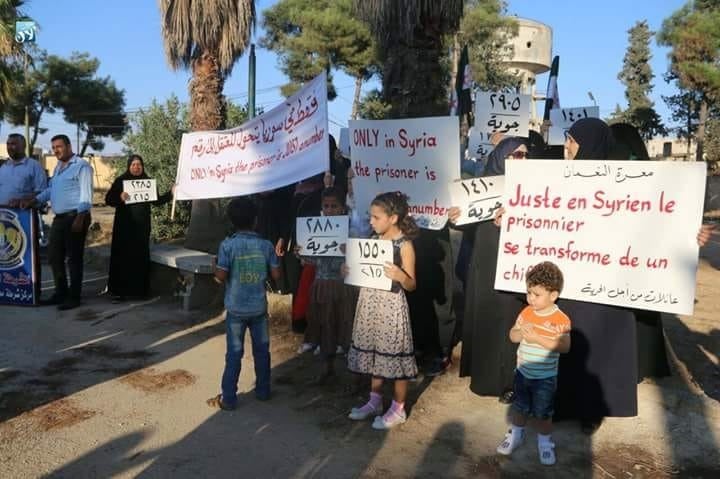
column 235, row 327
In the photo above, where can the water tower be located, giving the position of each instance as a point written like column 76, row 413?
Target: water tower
column 532, row 56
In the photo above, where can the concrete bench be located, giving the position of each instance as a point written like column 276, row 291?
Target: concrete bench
column 184, row 273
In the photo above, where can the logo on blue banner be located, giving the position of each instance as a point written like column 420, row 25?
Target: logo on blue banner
column 18, row 276
column 12, row 240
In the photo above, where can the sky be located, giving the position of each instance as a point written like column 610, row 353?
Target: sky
column 590, row 37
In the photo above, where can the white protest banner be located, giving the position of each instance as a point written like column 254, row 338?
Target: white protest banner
column 140, row 191
column 285, row 145
column 622, row 232
column 506, row 113
column 477, row 198
column 322, row 235
column 418, row 156
column 561, row 120
column 365, row 260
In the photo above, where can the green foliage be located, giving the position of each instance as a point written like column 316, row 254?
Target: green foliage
column 69, row 84
column 684, row 109
column 155, row 134
column 236, row 115
column 372, row 106
column 410, row 35
column 637, row 76
column 693, row 33
column 487, row 33
column 312, row 36
column 11, row 52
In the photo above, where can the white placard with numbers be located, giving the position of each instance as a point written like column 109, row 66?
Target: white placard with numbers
column 140, row 191
column 477, row 198
column 498, row 112
column 562, row 119
column 365, row 260
column 322, row 235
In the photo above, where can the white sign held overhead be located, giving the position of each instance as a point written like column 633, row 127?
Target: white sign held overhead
column 497, row 112
column 477, row 198
column 561, row 119
column 622, row 232
column 365, row 260
column 287, row 144
column 322, row 235
column 417, row 156
column 140, row 191
column 479, row 144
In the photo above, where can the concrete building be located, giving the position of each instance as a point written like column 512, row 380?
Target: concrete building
column 671, row 148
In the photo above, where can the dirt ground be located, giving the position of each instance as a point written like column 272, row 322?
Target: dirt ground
column 119, row 391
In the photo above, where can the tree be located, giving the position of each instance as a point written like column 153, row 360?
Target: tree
column 637, row 75
column 206, row 37
column 95, row 105
column 312, row 36
column 11, row 52
column 693, row 33
column 155, row 134
column 372, row 106
column 487, row 32
column 409, row 35
column 236, row 115
column 712, row 145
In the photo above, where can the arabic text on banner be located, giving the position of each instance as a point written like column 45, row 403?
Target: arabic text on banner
column 285, row 145
column 140, row 191
column 477, row 198
column 622, row 232
column 418, row 156
column 561, row 120
column 365, row 260
column 506, row 113
column 19, row 272
column 322, row 235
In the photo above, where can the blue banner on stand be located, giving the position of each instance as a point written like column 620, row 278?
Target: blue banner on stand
column 19, row 266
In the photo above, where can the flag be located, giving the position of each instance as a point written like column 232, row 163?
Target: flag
column 460, row 100
column 552, row 98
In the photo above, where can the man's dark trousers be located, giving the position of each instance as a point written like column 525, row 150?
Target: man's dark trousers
column 64, row 243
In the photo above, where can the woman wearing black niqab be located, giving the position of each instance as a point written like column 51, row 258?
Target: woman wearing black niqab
column 598, row 377
column 652, row 355
column 130, row 249
column 488, row 357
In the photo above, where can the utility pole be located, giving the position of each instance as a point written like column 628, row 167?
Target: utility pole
column 27, row 109
column 25, row 33
column 251, row 82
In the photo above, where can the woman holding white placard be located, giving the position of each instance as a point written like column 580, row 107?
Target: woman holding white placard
column 487, row 356
column 130, row 249
column 598, row 377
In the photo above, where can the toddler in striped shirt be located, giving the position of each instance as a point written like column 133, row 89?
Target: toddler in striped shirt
column 543, row 332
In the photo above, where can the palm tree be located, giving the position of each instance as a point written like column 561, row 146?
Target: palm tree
column 10, row 51
column 206, row 37
column 410, row 34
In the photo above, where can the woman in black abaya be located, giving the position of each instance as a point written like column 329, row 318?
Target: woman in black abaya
column 130, row 249
column 488, row 357
column 598, row 377
column 652, row 355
